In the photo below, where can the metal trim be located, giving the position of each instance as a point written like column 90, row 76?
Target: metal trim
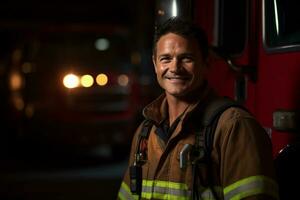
column 277, row 49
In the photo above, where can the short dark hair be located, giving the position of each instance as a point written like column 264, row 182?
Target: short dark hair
column 184, row 28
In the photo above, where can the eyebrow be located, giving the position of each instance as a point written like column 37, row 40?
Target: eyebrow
column 164, row 55
column 180, row 55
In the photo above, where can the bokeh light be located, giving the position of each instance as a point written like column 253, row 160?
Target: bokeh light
column 87, row 80
column 123, row 80
column 102, row 79
column 71, row 81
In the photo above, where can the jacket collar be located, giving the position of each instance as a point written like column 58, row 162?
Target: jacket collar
column 156, row 111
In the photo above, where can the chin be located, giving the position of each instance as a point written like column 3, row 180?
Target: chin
column 178, row 94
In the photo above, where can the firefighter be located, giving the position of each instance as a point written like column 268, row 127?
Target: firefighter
column 163, row 163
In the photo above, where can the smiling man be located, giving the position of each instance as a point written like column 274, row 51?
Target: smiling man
column 180, row 68
column 166, row 161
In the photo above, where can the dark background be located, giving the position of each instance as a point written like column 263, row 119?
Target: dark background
column 35, row 161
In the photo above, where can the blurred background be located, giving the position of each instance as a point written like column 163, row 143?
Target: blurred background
column 74, row 76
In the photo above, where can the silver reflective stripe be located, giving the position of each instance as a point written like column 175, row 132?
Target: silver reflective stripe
column 125, row 193
column 251, row 186
column 172, row 191
column 207, row 193
column 147, row 189
column 167, row 190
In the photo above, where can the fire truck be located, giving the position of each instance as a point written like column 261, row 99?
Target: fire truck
column 255, row 59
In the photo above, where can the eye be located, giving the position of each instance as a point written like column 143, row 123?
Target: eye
column 165, row 59
column 187, row 59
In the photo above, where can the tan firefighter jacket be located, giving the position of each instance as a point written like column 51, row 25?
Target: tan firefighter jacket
column 242, row 165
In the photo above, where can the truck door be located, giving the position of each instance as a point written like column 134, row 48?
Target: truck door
column 278, row 93
column 278, row 88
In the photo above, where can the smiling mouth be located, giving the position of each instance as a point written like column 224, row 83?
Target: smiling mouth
column 179, row 78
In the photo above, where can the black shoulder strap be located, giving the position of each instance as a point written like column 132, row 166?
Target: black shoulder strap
column 215, row 108
column 205, row 136
column 210, row 118
column 135, row 170
column 142, row 140
column 146, row 128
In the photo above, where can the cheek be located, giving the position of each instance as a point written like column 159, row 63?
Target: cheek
column 155, row 68
column 160, row 69
column 193, row 70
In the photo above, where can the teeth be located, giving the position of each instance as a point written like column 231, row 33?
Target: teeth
column 174, row 77
column 182, row 78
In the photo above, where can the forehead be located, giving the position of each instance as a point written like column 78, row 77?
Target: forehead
column 175, row 41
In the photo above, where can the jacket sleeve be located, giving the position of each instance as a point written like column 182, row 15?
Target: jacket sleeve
column 124, row 191
column 247, row 170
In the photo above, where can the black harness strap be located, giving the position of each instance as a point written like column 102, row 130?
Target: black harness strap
column 146, row 128
column 135, row 170
column 211, row 117
column 204, row 139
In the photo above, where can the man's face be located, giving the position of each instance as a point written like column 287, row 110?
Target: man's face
column 179, row 65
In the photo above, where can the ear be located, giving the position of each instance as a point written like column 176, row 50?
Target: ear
column 154, row 63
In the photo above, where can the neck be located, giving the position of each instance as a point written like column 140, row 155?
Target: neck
column 176, row 107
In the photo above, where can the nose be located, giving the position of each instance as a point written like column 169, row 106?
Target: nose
column 175, row 65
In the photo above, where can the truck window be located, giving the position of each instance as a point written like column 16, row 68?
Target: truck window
column 282, row 27
column 230, row 18
column 231, row 32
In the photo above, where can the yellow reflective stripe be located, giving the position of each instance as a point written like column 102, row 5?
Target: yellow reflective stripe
column 121, row 196
column 168, row 184
column 163, row 196
column 251, row 186
column 125, row 193
column 164, row 190
column 172, row 185
column 125, row 187
column 147, row 183
column 172, row 190
column 147, row 189
column 147, row 195
column 169, row 196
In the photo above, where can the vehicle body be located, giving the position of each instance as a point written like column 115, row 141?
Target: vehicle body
column 255, row 59
column 253, row 64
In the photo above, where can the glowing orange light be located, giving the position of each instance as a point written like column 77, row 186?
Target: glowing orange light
column 102, row 79
column 15, row 81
